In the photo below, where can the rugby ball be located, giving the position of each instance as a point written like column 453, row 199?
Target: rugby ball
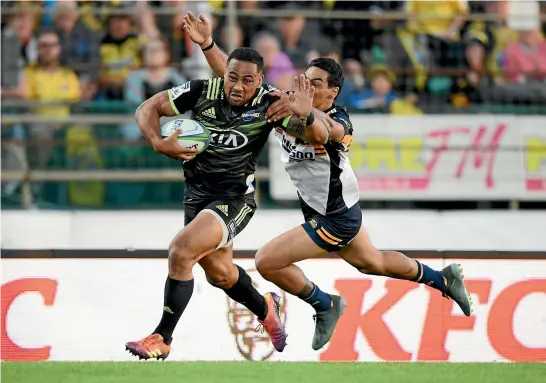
column 193, row 134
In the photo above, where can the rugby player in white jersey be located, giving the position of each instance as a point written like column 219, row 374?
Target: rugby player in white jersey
column 329, row 195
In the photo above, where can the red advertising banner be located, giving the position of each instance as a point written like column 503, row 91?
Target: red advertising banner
column 48, row 302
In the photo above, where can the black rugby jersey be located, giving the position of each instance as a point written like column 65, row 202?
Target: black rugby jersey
column 238, row 135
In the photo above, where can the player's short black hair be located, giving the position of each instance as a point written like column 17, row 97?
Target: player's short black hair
column 335, row 72
column 249, row 55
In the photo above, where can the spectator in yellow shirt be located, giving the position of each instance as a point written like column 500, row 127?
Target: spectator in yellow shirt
column 120, row 52
column 49, row 82
column 439, row 23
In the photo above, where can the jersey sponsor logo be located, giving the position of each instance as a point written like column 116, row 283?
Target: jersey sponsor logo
column 228, row 140
column 223, row 209
column 272, row 88
column 179, row 90
column 297, row 152
column 210, row 112
column 251, row 115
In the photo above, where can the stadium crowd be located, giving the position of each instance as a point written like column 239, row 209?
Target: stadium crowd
column 99, row 57
column 397, row 66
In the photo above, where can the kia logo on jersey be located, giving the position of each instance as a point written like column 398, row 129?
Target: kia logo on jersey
column 227, row 140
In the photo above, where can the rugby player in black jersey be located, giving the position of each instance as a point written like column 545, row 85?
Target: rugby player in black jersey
column 219, row 197
column 328, row 191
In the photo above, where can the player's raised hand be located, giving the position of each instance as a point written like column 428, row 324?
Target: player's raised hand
column 198, row 29
column 304, row 92
column 280, row 108
column 298, row 102
column 170, row 147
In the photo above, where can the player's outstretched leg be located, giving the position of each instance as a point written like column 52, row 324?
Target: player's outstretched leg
column 184, row 251
column 237, row 284
column 275, row 261
column 367, row 259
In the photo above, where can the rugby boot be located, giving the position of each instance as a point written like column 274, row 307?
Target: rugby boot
column 273, row 323
column 152, row 346
column 325, row 322
column 455, row 288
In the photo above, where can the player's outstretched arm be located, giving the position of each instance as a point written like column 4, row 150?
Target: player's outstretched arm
column 314, row 129
column 296, row 127
column 147, row 117
column 200, row 32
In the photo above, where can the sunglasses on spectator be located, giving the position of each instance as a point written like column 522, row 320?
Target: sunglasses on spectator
column 153, row 48
column 47, row 45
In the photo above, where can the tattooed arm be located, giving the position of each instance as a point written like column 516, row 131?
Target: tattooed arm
column 315, row 133
column 322, row 129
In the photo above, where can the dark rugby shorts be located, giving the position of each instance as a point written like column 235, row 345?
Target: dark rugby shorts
column 333, row 232
column 233, row 214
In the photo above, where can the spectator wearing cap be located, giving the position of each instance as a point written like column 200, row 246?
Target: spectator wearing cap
column 79, row 47
column 380, row 94
column 120, row 55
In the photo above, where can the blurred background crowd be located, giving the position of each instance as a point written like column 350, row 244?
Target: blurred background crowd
column 66, row 58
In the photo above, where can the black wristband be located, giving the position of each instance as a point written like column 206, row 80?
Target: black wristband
column 209, row 47
column 310, row 119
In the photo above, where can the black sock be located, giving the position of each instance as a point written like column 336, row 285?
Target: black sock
column 176, row 298
column 244, row 293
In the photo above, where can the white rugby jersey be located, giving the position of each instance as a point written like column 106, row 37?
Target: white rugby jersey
column 322, row 173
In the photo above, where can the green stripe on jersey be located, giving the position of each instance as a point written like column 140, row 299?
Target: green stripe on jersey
column 286, row 120
column 171, row 101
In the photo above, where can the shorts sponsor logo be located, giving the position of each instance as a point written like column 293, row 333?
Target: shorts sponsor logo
column 313, row 222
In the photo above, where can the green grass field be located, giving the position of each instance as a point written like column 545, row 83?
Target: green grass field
column 257, row 372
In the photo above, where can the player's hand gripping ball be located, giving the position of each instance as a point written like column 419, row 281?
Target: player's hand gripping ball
column 191, row 134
